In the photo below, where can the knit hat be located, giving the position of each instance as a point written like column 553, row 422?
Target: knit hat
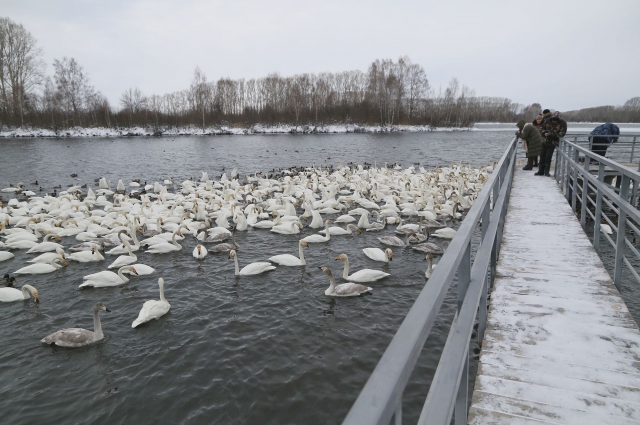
column 546, row 113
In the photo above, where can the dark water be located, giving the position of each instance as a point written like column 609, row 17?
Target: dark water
column 266, row 349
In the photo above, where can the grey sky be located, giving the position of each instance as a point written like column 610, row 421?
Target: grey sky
column 542, row 51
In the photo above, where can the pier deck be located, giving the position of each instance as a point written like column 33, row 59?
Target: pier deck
column 560, row 345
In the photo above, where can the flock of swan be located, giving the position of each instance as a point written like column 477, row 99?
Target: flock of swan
column 102, row 226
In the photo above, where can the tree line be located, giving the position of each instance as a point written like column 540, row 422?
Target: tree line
column 388, row 93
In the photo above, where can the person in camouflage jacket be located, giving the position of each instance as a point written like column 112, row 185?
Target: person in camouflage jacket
column 553, row 128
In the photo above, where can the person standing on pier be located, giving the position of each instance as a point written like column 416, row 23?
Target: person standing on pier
column 553, row 128
column 537, row 123
column 531, row 139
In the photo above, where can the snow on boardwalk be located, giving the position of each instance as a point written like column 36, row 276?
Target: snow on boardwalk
column 560, row 346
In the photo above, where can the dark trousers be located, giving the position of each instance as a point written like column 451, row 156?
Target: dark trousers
column 599, row 145
column 546, row 154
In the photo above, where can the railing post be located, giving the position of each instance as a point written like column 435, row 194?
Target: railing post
column 620, row 236
column 574, row 190
column 633, row 148
column 598, row 217
column 462, row 403
column 585, row 193
column 567, row 192
column 482, row 310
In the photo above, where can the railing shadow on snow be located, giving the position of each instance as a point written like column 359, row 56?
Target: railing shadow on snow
column 380, row 400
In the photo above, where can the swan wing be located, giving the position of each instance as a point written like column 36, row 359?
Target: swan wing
column 151, row 310
column 38, row 268
column 367, row 275
column 142, row 269
column 350, row 289
column 8, row 295
column 122, row 260
column 375, row 254
column 256, row 268
column 286, row 260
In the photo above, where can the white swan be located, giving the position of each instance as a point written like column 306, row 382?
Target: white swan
column 153, row 309
column 5, row 255
column 48, row 256
column 376, row 254
column 165, row 247
column 8, row 295
column 287, row 228
column 106, row 278
column 78, row 337
column 199, row 252
column 40, row 268
column 46, row 246
column 364, row 275
column 338, row 231
column 141, row 269
column 446, row 233
column 250, row 269
column 348, row 289
column 291, row 260
column 318, row 238
column 87, row 256
column 124, row 260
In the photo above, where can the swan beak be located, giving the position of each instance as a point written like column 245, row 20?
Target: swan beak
column 134, row 272
column 107, row 310
column 35, row 297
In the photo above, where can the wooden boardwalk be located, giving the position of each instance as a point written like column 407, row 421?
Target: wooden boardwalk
column 560, row 345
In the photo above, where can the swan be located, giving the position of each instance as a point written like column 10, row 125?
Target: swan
column 46, row 246
column 225, row 247
column 106, row 278
column 430, row 266
column 348, row 289
column 430, row 248
column 166, row 247
column 8, row 295
column 5, row 255
column 141, row 269
column 124, row 260
column 78, row 337
column 395, row 241
column 338, row 231
column 87, row 256
column 318, row 238
column 287, row 228
column 121, row 249
column 445, row 233
column 48, row 256
column 363, row 223
column 364, row 275
column 40, row 268
column 376, row 254
column 153, row 309
column 345, row 219
column 250, row 269
column 291, row 260
column 199, row 252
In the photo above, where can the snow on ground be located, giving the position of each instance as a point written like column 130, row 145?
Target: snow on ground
column 195, row 131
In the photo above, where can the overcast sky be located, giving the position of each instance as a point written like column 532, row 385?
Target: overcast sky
column 540, row 51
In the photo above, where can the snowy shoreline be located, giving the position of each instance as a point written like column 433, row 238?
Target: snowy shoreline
column 216, row 131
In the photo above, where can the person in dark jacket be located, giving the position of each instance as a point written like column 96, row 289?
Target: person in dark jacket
column 537, row 123
column 603, row 136
column 531, row 139
column 553, row 128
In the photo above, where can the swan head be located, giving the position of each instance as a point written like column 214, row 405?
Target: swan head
column 34, row 292
column 232, row 253
column 101, row 307
column 342, row 257
column 326, row 270
column 429, row 257
column 389, row 253
column 304, row 243
column 199, row 248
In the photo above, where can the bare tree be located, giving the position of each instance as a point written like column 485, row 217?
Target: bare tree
column 133, row 101
column 200, row 92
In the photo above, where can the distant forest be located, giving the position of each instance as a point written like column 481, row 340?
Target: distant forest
column 388, row 93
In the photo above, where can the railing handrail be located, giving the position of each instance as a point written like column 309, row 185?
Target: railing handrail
column 381, row 397
column 569, row 170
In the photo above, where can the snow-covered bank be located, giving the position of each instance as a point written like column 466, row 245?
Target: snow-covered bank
column 195, row 131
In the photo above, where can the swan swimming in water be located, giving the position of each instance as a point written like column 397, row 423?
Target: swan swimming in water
column 8, row 295
column 124, row 260
column 318, row 238
column 291, row 260
column 430, row 266
column 153, row 309
column 376, row 254
column 78, row 337
column 364, row 275
column 250, row 269
column 87, row 256
column 106, row 278
column 199, row 252
column 348, row 289
column 40, row 268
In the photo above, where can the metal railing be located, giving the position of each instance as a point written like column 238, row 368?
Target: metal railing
column 624, row 150
column 380, row 400
column 591, row 196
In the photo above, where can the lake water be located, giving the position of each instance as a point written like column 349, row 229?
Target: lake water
column 266, row 349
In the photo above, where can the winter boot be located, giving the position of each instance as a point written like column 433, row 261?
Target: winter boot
column 529, row 165
column 541, row 169
column 535, row 161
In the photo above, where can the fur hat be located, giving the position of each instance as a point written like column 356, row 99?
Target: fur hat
column 546, row 113
column 539, row 117
column 555, row 115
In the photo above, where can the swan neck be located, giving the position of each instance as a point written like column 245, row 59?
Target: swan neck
column 97, row 326
column 122, row 276
column 135, row 237
column 173, row 239
column 235, row 260
column 301, row 254
column 345, row 272
column 332, row 284
column 161, row 285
